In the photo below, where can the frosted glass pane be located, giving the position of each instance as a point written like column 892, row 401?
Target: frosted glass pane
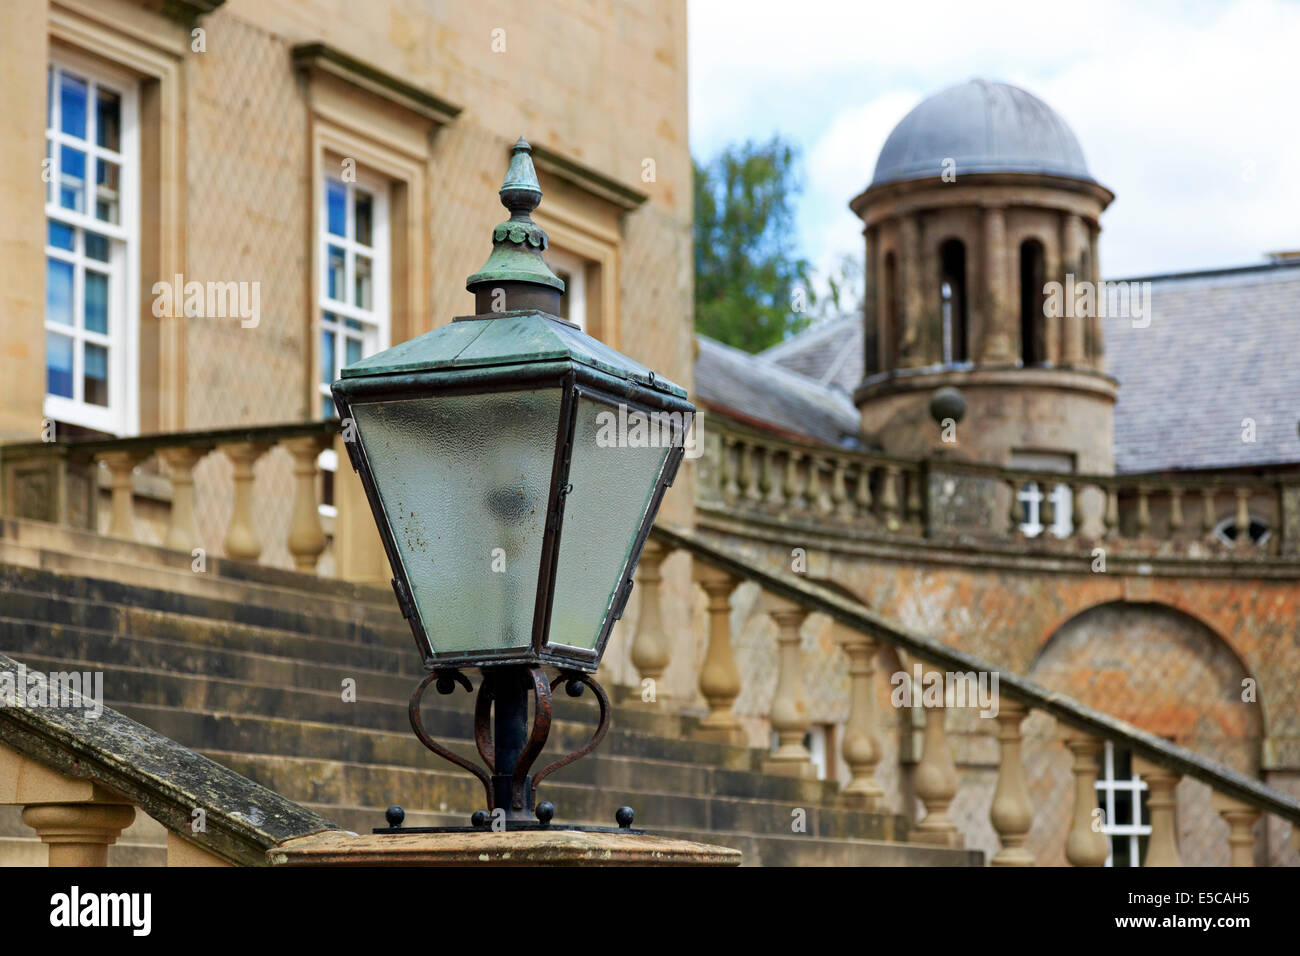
column 613, row 481
column 461, row 477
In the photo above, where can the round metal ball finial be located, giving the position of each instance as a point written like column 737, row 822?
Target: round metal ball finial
column 624, row 817
column 394, row 815
column 479, row 819
column 545, row 812
column 947, row 403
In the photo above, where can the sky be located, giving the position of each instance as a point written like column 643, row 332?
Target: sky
column 1188, row 111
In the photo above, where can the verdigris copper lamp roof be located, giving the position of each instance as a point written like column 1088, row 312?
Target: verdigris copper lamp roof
column 514, row 466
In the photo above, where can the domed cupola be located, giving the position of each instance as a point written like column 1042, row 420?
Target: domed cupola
column 980, row 199
column 981, row 127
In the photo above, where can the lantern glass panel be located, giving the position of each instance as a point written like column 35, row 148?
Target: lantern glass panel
column 464, row 481
column 614, row 470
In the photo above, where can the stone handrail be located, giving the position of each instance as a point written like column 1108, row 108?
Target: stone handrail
column 58, row 482
column 850, row 492
column 789, row 598
column 80, row 778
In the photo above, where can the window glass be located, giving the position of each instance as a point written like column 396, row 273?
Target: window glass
column 90, row 120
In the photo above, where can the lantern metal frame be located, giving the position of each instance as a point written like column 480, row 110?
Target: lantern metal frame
column 576, row 382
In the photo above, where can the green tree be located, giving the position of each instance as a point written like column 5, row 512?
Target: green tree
column 751, row 287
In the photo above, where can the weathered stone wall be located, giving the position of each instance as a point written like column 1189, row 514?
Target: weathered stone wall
column 1166, row 653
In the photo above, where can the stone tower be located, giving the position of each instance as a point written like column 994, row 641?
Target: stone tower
column 980, row 198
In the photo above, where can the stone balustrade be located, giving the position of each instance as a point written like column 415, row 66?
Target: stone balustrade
column 789, row 599
column 81, row 779
column 757, row 477
column 62, row 483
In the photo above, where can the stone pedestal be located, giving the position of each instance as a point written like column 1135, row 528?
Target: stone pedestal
column 517, row 848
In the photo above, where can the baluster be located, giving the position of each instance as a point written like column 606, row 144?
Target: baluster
column 1240, row 818
column 730, row 488
column 839, row 490
column 1162, row 848
column 651, row 649
column 1112, row 512
column 789, row 717
column 1175, row 509
column 719, row 676
column 935, row 779
column 182, row 527
column 78, row 834
column 889, row 497
column 1047, row 507
column 1085, row 846
column 1143, row 511
column 914, row 507
column 793, row 488
column 1243, row 518
column 306, row 536
column 1012, row 814
column 817, row 491
column 749, row 471
column 241, row 536
column 1077, row 489
column 860, row 750
column 862, row 497
column 121, row 469
column 772, row 480
column 1015, row 513
column 1209, row 513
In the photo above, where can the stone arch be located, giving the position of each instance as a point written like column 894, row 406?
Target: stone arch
column 1157, row 667
column 1160, row 669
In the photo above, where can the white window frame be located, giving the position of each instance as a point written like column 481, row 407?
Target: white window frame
column 1031, row 495
column 1109, row 788
column 575, row 286
column 377, row 320
column 121, row 415
column 1031, row 499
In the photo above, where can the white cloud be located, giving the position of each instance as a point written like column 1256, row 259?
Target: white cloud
column 1185, row 110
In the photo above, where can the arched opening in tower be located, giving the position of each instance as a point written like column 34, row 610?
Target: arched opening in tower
column 893, row 315
column 952, row 289
column 1032, row 279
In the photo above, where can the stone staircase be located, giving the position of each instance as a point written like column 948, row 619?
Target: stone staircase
column 247, row 665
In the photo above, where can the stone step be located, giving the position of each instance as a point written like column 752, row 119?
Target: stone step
column 283, row 608
column 340, row 783
column 127, row 687
column 52, row 644
column 209, row 633
column 118, row 553
column 270, row 735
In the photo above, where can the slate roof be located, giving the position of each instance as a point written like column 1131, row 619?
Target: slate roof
column 756, row 390
column 829, row 352
column 1222, row 347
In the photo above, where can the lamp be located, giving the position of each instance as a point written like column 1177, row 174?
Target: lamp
column 514, row 466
